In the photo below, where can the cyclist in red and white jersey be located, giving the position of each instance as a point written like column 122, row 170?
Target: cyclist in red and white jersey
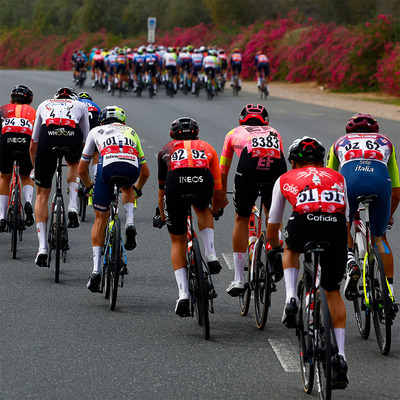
column 235, row 66
column 261, row 160
column 367, row 160
column 261, row 64
column 320, row 213
column 60, row 122
column 16, row 130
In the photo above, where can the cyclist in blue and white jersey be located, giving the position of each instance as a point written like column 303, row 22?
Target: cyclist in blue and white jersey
column 197, row 64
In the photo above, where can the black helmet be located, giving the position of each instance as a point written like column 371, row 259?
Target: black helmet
column 112, row 114
column 254, row 114
column 22, row 94
column 66, row 93
column 85, row 95
column 184, row 128
column 362, row 123
column 306, row 148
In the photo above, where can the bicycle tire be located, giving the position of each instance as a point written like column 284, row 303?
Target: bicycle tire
column 304, row 340
column 381, row 307
column 244, row 298
column 13, row 221
column 105, row 280
column 116, row 263
column 82, row 203
column 262, row 283
column 200, row 290
column 323, row 345
column 361, row 310
column 59, row 216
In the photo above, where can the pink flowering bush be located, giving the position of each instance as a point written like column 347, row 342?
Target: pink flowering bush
column 338, row 57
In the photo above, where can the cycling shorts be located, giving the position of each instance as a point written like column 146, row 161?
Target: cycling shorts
column 251, row 172
column 99, row 65
column 196, row 70
column 103, row 189
column 364, row 177
column 138, row 68
column 186, row 65
column 319, row 226
column 121, row 68
column 182, row 181
column 263, row 67
column 55, row 136
column 236, row 68
column 152, row 69
column 10, row 142
column 224, row 65
column 210, row 71
column 171, row 69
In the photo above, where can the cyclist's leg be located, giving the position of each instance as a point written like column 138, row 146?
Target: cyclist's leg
column 27, row 190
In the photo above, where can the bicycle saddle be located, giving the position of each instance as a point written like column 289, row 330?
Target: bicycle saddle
column 319, row 246
column 188, row 199
column 60, row 151
column 120, row 181
column 17, row 155
column 367, row 198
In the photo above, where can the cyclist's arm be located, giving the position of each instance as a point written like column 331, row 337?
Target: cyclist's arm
column 83, row 172
column 275, row 215
column 218, row 195
column 332, row 161
column 35, row 135
column 394, row 176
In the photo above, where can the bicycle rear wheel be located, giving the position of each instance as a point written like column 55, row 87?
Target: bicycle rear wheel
column 59, row 223
column 200, row 291
column 82, row 202
column 305, row 341
column 262, row 283
column 244, row 298
column 361, row 310
column 381, row 302
column 323, row 345
column 116, row 263
column 14, row 221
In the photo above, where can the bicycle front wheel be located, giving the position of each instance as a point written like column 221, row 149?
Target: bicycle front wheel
column 262, row 283
column 304, row 340
column 244, row 298
column 59, row 227
column 381, row 302
column 116, row 263
column 15, row 221
column 361, row 309
column 323, row 345
column 200, row 291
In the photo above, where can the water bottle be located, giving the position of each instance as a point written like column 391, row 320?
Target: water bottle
column 252, row 241
column 360, row 245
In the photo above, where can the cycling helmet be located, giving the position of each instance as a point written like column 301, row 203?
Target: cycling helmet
column 362, row 123
column 236, row 50
column 306, row 148
column 112, row 114
column 258, row 53
column 22, row 94
column 252, row 114
column 190, row 48
column 85, row 95
column 98, row 51
column 184, row 128
column 66, row 93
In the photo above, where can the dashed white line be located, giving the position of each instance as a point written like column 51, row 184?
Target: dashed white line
column 228, row 257
column 287, row 354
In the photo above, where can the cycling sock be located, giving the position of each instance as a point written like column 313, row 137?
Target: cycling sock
column 73, row 194
column 181, row 280
column 42, row 234
column 340, row 336
column 27, row 191
column 291, row 275
column 207, row 235
column 97, row 259
column 129, row 213
column 238, row 261
column 3, row 206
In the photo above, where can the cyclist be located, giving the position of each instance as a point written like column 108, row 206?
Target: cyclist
column 138, row 62
column 320, row 213
column 261, row 160
column 188, row 165
column 64, row 122
column 236, row 66
column 122, row 68
column 17, row 118
column 169, row 66
column 151, row 65
column 120, row 154
column 367, row 160
column 209, row 68
column 98, row 69
column 185, row 63
column 197, row 62
column 80, row 65
column 261, row 64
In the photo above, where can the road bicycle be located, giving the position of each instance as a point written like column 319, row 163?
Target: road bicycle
column 81, row 78
column 260, row 273
column 263, row 88
column 374, row 294
column 58, row 232
column 236, row 86
column 115, row 260
column 314, row 329
column 169, row 85
column 15, row 211
column 209, row 87
column 201, row 288
column 83, row 201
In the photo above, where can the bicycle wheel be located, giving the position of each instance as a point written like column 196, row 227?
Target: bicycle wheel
column 361, row 310
column 58, row 232
column 304, row 341
column 323, row 345
column 105, row 279
column 14, row 221
column 381, row 302
column 244, row 298
column 82, row 203
column 115, row 263
column 262, row 283
column 200, row 291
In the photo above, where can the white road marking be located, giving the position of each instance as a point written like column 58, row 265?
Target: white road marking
column 228, row 257
column 287, row 354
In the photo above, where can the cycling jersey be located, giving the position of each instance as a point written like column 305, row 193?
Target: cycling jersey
column 93, row 110
column 261, row 59
column 209, row 62
column 169, row 60
column 16, row 131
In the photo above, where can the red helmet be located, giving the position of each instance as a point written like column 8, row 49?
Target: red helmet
column 252, row 114
column 362, row 123
column 258, row 53
column 236, row 50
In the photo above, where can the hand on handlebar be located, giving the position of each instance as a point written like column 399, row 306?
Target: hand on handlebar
column 157, row 221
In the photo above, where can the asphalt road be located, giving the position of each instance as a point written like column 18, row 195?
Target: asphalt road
column 59, row 341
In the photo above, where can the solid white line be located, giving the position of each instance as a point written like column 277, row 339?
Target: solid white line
column 287, row 354
column 228, row 257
